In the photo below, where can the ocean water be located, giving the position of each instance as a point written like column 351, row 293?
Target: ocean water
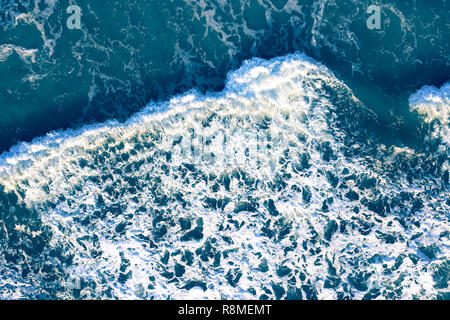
column 224, row 150
column 130, row 52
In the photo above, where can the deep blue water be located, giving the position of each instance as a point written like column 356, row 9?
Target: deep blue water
column 128, row 53
column 224, row 149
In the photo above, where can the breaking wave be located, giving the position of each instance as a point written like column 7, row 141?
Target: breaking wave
column 273, row 188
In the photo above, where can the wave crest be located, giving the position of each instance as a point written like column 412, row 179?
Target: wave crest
column 270, row 189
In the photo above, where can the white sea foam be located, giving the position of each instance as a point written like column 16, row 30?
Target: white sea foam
column 434, row 105
column 270, row 137
column 27, row 55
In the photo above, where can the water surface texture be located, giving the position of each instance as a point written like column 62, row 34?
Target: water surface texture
column 129, row 52
column 224, row 150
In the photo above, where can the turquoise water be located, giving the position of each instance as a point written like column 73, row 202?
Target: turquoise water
column 128, row 53
column 224, row 149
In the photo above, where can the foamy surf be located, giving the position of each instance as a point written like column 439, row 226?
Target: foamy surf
column 434, row 105
column 269, row 189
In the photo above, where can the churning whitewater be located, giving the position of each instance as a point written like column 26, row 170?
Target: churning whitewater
column 271, row 189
